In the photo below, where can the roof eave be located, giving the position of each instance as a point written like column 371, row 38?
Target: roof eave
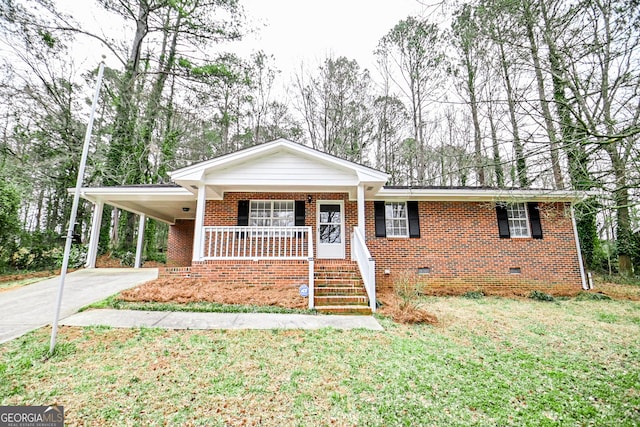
column 482, row 195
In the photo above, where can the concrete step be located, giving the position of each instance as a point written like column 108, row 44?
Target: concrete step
column 346, row 300
column 339, row 290
column 339, row 283
column 345, row 309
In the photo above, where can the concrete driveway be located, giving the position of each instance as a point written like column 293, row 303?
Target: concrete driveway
column 33, row 306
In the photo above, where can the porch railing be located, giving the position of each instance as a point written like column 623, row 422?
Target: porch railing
column 257, row 243
column 360, row 253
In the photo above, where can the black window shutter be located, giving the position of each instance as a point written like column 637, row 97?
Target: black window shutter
column 381, row 227
column 243, row 213
column 503, row 221
column 299, row 213
column 534, row 220
column 414, row 219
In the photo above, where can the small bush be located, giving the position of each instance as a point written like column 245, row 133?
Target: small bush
column 541, row 296
column 77, row 256
column 407, row 288
column 23, row 259
column 473, row 295
column 158, row 257
column 592, row 296
column 407, row 291
column 128, row 259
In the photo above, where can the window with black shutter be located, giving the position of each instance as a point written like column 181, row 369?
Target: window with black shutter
column 397, row 219
column 517, row 220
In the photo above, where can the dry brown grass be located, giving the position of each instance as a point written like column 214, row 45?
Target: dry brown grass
column 403, row 310
column 185, row 290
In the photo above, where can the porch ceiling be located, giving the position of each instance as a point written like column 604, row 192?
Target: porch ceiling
column 164, row 203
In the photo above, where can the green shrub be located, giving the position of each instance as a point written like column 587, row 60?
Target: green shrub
column 158, row 257
column 473, row 295
column 128, row 259
column 592, row 296
column 541, row 296
column 77, row 256
column 22, row 259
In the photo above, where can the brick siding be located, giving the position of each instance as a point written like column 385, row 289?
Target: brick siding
column 180, row 243
column 460, row 245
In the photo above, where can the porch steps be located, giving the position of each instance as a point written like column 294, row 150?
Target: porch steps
column 339, row 289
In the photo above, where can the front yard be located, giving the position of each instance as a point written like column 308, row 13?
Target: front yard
column 489, row 361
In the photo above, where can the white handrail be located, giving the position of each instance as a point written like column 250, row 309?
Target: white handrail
column 367, row 265
column 311, row 274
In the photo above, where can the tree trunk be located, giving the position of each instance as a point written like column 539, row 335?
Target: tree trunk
column 544, row 104
column 521, row 164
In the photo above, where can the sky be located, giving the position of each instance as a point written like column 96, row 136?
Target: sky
column 294, row 31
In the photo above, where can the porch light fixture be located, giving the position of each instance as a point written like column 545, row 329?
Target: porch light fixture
column 186, row 209
column 309, row 198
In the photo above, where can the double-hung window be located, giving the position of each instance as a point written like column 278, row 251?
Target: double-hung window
column 518, row 220
column 396, row 219
column 272, row 213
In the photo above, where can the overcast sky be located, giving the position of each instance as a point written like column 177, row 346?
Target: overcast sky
column 302, row 30
column 293, row 31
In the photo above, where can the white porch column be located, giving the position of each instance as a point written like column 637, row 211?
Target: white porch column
column 197, row 232
column 143, row 219
column 361, row 208
column 94, row 236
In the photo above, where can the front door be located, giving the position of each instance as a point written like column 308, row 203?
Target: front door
column 330, row 229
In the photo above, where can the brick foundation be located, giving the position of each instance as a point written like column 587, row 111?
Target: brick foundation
column 252, row 273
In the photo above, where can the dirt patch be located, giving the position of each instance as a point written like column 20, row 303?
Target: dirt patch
column 184, row 290
column 109, row 261
column 31, row 275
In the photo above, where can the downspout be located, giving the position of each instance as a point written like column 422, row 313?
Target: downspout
column 585, row 286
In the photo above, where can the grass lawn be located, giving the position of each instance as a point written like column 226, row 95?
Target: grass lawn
column 490, row 361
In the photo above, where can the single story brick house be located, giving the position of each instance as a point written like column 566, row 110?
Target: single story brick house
column 283, row 214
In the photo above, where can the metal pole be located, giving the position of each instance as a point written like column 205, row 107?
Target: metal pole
column 74, row 210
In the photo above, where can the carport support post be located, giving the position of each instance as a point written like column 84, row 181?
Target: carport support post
column 143, row 218
column 94, row 237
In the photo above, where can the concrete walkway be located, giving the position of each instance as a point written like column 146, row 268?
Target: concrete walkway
column 33, row 306
column 182, row 320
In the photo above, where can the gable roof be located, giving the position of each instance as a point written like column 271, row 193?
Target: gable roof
column 285, row 166
column 280, row 165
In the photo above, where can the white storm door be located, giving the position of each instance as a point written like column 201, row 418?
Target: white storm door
column 330, row 240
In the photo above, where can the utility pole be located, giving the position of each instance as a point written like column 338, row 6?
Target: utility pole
column 74, row 210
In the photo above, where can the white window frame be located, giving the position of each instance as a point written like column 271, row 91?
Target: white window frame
column 271, row 217
column 398, row 224
column 517, row 214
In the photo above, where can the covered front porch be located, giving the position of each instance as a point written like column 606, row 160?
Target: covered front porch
column 267, row 214
column 326, row 253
